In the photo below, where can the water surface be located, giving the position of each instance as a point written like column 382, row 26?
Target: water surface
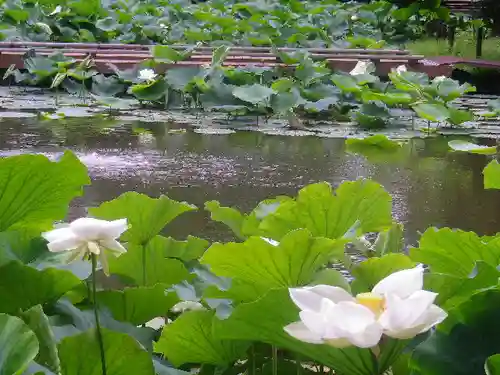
column 430, row 187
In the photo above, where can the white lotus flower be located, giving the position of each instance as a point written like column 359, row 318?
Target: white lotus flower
column 396, row 307
column 57, row 10
column 156, row 323
column 330, row 315
column 439, row 79
column 86, row 236
column 362, row 67
column 407, row 309
column 354, row 18
column 147, row 74
column 401, row 69
column 187, row 306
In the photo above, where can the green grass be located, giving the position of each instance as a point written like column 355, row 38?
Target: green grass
column 465, row 46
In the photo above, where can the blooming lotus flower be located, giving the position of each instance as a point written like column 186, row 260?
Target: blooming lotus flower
column 397, row 307
column 147, row 74
column 156, row 323
column 86, row 236
column 186, row 306
column 330, row 315
column 354, row 18
column 406, row 310
column 439, row 79
column 57, row 10
column 362, row 67
column 400, row 69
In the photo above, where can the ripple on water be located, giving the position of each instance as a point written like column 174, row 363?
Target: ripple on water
column 182, row 167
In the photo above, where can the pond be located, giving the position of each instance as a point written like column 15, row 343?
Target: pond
column 430, row 187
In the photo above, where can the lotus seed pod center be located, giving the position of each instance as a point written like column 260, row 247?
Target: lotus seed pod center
column 373, row 301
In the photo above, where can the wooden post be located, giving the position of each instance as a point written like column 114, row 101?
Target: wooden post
column 451, row 37
column 479, row 42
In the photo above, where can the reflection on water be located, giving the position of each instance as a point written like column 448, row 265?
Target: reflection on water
column 429, row 186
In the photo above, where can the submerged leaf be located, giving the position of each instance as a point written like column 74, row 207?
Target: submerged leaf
column 376, row 148
column 379, row 141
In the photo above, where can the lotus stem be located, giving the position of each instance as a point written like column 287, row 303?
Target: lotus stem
column 251, row 360
column 298, row 364
column 96, row 314
column 275, row 360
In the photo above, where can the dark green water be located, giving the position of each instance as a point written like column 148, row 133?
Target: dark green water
column 430, row 187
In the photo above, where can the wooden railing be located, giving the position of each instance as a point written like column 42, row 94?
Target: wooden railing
column 126, row 55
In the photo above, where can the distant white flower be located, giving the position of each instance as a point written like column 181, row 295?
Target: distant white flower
column 186, row 306
column 396, row 307
column 156, row 323
column 354, row 18
column 270, row 241
column 147, row 74
column 86, row 236
column 439, row 79
column 57, row 10
column 362, row 67
column 401, row 69
column 163, row 26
